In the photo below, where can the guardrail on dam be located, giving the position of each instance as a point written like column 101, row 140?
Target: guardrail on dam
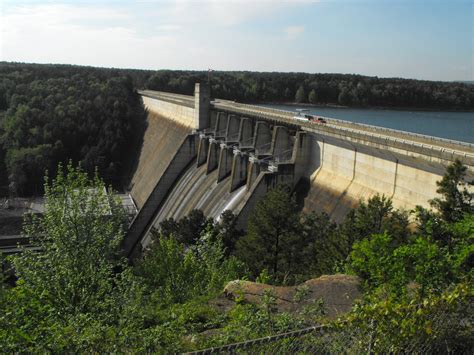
column 221, row 155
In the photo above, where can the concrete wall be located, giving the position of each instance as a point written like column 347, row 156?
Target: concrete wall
column 343, row 173
column 181, row 114
column 168, row 126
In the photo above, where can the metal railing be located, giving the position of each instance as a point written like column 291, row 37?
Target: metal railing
column 443, row 327
column 245, row 345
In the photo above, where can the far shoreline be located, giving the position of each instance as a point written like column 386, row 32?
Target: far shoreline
column 336, row 106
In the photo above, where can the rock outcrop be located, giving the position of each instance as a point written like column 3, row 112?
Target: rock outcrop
column 337, row 292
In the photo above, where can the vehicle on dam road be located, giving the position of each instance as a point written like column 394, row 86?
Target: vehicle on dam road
column 302, row 116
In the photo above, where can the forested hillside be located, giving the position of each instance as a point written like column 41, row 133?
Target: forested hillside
column 53, row 113
column 339, row 89
column 56, row 113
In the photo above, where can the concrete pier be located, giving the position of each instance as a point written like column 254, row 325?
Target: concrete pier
column 203, row 150
column 213, row 155
column 239, row 171
column 262, row 138
column 232, row 132
column 212, row 121
column 225, row 162
column 246, row 133
column 253, row 170
column 281, row 141
column 221, row 125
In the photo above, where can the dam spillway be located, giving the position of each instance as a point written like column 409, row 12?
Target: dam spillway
column 198, row 190
column 219, row 155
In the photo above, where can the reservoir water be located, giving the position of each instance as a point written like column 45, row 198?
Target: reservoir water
column 452, row 125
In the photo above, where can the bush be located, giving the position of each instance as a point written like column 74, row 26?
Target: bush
column 176, row 274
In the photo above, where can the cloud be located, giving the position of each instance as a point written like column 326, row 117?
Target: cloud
column 91, row 35
column 153, row 34
column 292, row 32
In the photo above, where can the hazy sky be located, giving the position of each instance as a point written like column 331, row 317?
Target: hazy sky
column 416, row 39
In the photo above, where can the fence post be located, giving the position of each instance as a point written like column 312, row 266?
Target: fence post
column 373, row 334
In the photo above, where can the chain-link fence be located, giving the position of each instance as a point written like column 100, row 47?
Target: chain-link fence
column 416, row 329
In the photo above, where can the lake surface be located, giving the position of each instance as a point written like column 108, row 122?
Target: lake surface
column 452, row 125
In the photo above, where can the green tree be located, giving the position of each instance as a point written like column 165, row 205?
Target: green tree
column 312, row 97
column 321, row 245
column 188, row 229
column 227, row 231
column 272, row 241
column 377, row 215
column 300, row 95
column 463, row 246
column 174, row 273
column 79, row 235
column 455, row 202
column 433, row 323
column 345, row 97
column 379, row 263
column 76, row 287
column 456, row 198
column 371, row 258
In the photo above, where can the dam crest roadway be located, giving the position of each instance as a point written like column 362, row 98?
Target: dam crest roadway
column 217, row 155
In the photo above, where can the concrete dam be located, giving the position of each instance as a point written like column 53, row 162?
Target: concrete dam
column 217, row 155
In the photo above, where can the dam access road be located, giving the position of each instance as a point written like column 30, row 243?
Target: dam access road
column 218, row 155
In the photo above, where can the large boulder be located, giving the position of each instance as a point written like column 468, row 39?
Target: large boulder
column 337, row 293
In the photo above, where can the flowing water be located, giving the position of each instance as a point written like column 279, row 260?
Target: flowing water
column 198, row 190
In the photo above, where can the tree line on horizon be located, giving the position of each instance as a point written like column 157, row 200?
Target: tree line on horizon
column 320, row 89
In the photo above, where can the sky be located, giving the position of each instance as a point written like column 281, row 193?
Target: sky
column 422, row 39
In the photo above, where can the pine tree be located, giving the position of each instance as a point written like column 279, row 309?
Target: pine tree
column 456, row 199
column 300, row 95
column 312, row 97
column 272, row 241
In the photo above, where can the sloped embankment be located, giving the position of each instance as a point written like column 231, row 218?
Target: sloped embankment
column 161, row 141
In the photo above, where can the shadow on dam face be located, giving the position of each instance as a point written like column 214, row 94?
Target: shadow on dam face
column 160, row 144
